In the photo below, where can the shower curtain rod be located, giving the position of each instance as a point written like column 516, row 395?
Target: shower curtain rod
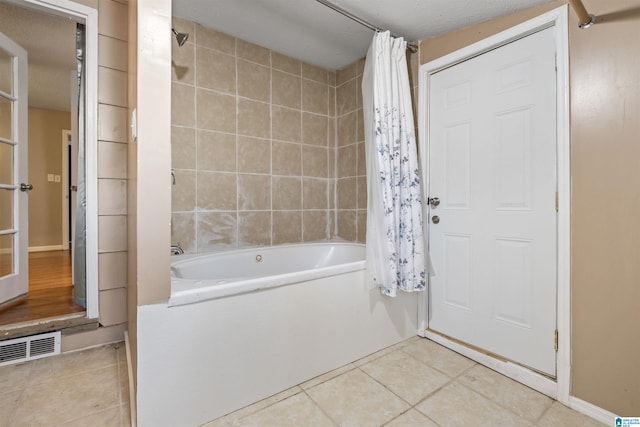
column 585, row 18
column 412, row 46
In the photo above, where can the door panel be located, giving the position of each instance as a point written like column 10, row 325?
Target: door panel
column 13, row 171
column 492, row 163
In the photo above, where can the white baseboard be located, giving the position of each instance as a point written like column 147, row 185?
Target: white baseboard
column 46, row 248
column 592, row 410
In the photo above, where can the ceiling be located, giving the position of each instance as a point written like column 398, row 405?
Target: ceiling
column 310, row 31
column 50, row 44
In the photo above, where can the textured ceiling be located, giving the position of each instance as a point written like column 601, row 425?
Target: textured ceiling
column 50, row 44
column 310, row 31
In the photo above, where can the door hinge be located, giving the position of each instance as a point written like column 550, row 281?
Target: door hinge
column 557, row 201
column 555, row 340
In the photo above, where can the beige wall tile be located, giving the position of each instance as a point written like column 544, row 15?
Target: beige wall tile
column 254, row 192
column 216, row 230
column 347, row 125
column 113, row 306
column 182, row 105
column 315, row 97
column 314, row 193
column 216, row 111
column 254, row 228
column 216, row 151
column 362, row 160
column 112, row 123
column 183, row 63
column 215, row 70
column 347, row 161
column 287, row 89
column 361, row 218
column 254, row 118
column 360, row 125
column 112, row 19
column 112, row 160
column 314, row 226
column 361, row 184
column 112, row 53
column 286, row 158
column 183, row 230
column 112, row 87
column 213, row 39
column 314, row 161
column 112, row 197
column 286, row 123
column 216, row 191
column 346, row 97
column 359, row 91
column 331, row 76
column 316, row 73
column 112, row 233
column 286, row 193
column 347, row 73
column 287, row 227
column 347, row 228
column 254, row 155
column 183, row 147
column 253, row 53
column 332, row 101
column 254, row 81
column 314, row 129
column 183, row 192
column 347, row 193
column 285, row 63
column 112, row 270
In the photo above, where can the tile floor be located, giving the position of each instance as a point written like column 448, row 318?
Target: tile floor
column 88, row 388
column 414, row 383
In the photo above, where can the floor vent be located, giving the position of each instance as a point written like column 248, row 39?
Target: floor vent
column 29, row 348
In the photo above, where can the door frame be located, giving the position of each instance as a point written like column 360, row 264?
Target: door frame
column 65, row 189
column 89, row 16
column 558, row 19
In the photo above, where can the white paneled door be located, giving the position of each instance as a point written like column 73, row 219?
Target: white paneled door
column 13, row 172
column 492, row 237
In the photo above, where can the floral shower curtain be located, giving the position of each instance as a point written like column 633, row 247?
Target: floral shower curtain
column 396, row 256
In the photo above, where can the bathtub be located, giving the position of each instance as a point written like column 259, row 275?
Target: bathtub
column 246, row 324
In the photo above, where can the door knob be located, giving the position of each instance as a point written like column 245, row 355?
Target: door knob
column 435, row 219
column 433, row 201
column 26, row 187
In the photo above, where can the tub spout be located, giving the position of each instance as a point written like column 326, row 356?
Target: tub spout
column 176, row 249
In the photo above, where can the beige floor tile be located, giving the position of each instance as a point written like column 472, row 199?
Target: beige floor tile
column 326, row 377
column 298, row 410
column 48, row 402
column 384, row 351
column 456, row 405
column 14, row 377
column 68, row 364
column 248, row 410
column 405, row 376
column 354, row 399
column 220, row 422
column 439, row 357
column 509, row 394
column 108, row 418
column 411, row 418
column 561, row 416
column 8, row 403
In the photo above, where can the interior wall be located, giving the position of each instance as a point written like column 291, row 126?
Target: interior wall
column 45, row 157
column 252, row 144
column 605, row 106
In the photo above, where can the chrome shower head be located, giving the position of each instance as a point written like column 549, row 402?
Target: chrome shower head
column 181, row 38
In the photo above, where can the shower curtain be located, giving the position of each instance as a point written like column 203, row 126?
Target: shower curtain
column 396, row 256
column 79, row 248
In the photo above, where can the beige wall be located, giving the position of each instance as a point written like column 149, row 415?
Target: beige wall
column 252, row 144
column 605, row 107
column 45, row 157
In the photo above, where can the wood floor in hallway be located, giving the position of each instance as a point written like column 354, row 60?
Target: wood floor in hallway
column 50, row 290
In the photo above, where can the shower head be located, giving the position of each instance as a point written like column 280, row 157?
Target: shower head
column 181, row 38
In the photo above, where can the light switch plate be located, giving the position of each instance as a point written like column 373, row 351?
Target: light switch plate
column 50, row 177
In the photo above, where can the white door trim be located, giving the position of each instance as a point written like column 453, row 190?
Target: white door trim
column 66, row 134
column 88, row 16
column 556, row 18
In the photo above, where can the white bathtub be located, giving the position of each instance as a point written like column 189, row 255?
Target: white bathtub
column 221, row 343
column 216, row 275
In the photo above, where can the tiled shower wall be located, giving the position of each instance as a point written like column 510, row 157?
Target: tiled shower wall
column 252, row 144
